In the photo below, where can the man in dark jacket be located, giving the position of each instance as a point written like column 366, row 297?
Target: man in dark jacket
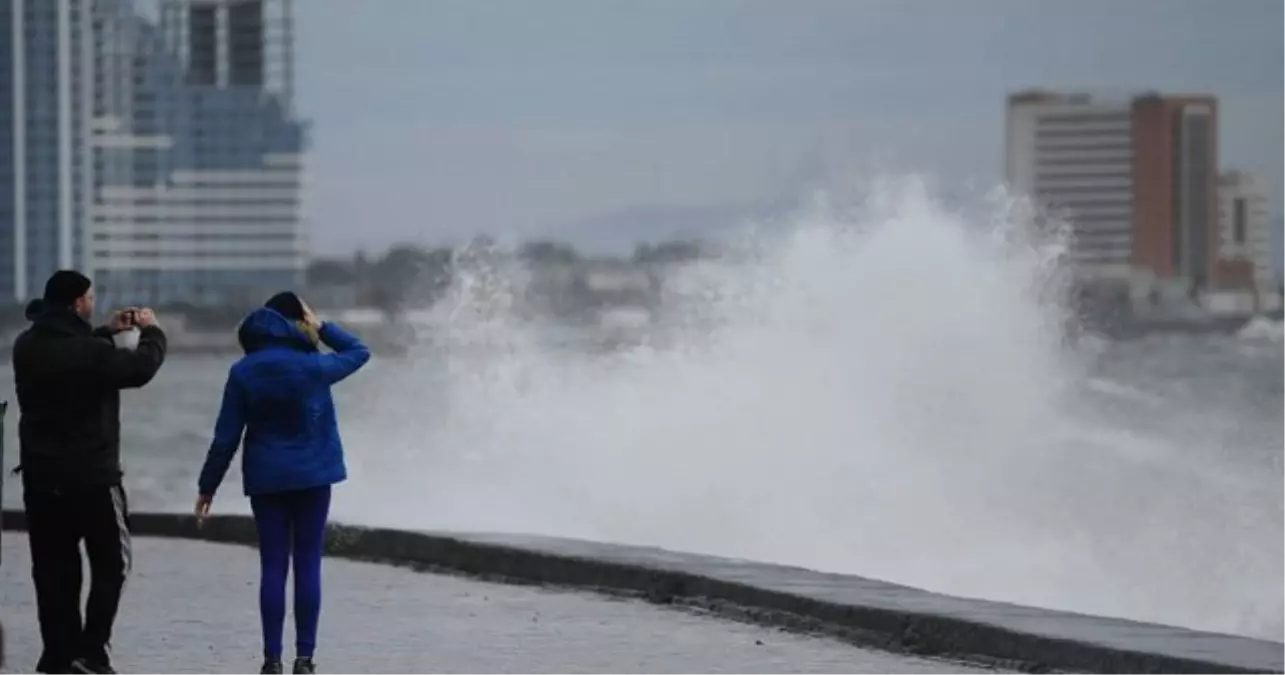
column 68, row 378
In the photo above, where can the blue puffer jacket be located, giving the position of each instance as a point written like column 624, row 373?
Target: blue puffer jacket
column 278, row 395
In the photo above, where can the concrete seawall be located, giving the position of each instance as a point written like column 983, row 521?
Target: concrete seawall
column 864, row 612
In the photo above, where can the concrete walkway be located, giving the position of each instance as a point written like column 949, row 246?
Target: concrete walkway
column 192, row 607
column 865, row 612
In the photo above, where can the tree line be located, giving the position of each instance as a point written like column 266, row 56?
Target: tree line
column 407, row 274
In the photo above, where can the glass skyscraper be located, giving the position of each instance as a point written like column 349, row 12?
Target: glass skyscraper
column 160, row 154
column 45, row 53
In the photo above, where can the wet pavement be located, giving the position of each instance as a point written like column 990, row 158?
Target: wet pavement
column 1062, row 640
column 192, row 607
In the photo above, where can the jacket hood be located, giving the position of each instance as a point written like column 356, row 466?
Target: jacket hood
column 61, row 319
column 35, row 309
column 265, row 327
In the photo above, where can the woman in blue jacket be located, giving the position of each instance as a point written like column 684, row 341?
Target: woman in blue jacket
column 278, row 396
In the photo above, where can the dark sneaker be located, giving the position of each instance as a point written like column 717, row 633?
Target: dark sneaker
column 271, row 667
column 87, row 666
column 304, row 667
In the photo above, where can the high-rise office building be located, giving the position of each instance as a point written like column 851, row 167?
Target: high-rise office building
column 173, row 172
column 46, row 92
column 1136, row 177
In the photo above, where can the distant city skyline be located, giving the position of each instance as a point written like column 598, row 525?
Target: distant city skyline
column 437, row 121
column 159, row 154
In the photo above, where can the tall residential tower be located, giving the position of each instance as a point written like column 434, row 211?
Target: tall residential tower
column 1136, row 177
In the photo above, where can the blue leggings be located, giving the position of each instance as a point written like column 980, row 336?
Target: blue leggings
column 291, row 524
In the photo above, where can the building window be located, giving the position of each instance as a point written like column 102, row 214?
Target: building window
column 245, row 43
column 1238, row 221
column 201, row 46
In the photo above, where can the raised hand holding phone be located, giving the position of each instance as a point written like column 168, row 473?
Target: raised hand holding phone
column 145, row 317
column 122, row 320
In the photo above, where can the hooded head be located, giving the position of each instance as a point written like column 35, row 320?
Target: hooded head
column 279, row 323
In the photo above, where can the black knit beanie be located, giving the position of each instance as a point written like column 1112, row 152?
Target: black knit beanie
column 286, row 304
column 65, row 287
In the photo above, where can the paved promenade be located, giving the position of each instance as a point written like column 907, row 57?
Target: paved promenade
column 1051, row 639
column 191, row 607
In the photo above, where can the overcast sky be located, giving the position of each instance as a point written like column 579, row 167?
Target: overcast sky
column 434, row 121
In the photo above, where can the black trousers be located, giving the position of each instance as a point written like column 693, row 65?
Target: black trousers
column 58, row 520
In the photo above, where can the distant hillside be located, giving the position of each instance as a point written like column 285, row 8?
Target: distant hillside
column 618, row 232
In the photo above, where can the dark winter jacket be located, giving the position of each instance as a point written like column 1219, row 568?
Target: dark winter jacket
column 278, row 396
column 68, row 378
